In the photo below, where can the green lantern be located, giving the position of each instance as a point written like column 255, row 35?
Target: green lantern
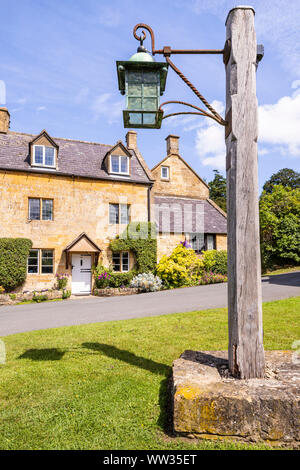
column 142, row 80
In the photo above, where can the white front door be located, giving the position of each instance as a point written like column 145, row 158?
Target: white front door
column 81, row 274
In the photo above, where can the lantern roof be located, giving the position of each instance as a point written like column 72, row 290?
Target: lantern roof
column 141, row 57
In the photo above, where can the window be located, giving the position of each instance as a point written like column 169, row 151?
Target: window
column 33, row 262
column 47, row 261
column 119, row 164
column 121, row 261
column 43, row 156
column 40, row 261
column 119, row 213
column 40, row 209
column 165, row 173
column 196, row 241
column 200, row 241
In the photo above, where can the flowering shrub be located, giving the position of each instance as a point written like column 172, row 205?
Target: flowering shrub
column 181, row 268
column 147, row 281
column 215, row 261
column 2, row 290
column 212, row 278
column 62, row 280
column 102, row 280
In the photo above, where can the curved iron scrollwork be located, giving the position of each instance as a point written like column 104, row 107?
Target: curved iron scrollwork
column 167, row 51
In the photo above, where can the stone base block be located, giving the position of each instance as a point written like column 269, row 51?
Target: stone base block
column 209, row 403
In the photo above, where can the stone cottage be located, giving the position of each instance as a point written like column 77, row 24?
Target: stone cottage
column 71, row 197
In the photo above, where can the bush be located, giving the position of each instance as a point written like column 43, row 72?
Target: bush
column 62, row 281
column 147, row 282
column 182, row 268
column 39, row 298
column 212, row 278
column 215, row 261
column 121, row 279
column 66, row 294
column 13, row 261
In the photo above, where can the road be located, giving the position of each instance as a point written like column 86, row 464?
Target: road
column 28, row 317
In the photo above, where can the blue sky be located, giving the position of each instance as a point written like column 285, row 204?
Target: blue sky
column 58, row 65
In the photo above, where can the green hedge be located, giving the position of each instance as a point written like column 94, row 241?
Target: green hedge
column 121, row 279
column 13, row 261
column 139, row 237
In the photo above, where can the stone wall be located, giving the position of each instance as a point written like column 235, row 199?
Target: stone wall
column 79, row 205
column 183, row 181
column 221, row 242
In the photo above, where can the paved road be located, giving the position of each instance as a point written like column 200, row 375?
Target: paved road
column 21, row 318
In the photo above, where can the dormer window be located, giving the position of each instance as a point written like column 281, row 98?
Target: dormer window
column 44, row 156
column 165, row 173
column 119, row 164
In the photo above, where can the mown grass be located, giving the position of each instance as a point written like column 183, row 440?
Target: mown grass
column 103, row 385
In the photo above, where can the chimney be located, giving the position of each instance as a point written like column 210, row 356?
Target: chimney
column 4, row 120
column 172, row 144
column 131, row 140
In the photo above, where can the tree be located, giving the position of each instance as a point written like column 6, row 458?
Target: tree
column 285, row 177
column 217, row 190
column 280, row 226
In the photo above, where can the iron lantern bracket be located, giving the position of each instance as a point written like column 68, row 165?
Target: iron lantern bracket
column 167, row 51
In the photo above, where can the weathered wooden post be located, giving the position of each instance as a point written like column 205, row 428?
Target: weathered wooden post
column 246, row 352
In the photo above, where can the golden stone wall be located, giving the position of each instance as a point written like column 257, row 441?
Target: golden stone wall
column 183, row 181
column 80, row 205
column 221, row 242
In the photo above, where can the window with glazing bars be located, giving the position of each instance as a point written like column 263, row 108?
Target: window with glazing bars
column 34, row 209
column 121, row 261
column 119, row 213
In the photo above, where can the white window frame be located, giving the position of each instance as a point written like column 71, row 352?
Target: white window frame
column 39, row 259
column 168, row 173
column 128, row 207
column 119, row 172
column 44, row 157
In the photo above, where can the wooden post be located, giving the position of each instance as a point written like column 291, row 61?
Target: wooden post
column 245, row 352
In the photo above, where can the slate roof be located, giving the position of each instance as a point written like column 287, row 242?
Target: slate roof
column 184, row 215
column 75, row 158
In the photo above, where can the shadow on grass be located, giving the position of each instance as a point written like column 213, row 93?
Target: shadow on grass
column 129, row 357
column 165, row 417
column 51, row 354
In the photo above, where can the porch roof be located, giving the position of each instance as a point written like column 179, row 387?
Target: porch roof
column 82, row 244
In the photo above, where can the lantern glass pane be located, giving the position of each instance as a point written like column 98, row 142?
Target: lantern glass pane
column 134, row 89
column 134, row 77
column 149, row 118
column 150, row 77
column 150, row 104
column 135, row 103
column 150, row 90
column 135, row 118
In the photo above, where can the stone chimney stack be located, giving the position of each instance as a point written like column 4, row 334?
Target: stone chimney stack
column 131, row 140
column 4, row 120
column 172, row 144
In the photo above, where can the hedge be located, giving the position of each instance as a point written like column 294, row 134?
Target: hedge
column 13, row 261
column 139, row 237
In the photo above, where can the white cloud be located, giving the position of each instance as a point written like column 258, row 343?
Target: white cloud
column 41, row 108
column 279, row 125
column 104, row 106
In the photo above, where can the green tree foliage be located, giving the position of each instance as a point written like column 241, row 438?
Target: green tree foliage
column 285, row 177
column 139, row 237
column 217, row 190
column 13, row 261
column 280, row 226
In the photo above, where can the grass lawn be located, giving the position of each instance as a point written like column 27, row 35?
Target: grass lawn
column 282, row 271
column 103, row 385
